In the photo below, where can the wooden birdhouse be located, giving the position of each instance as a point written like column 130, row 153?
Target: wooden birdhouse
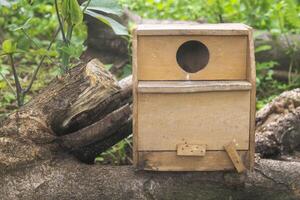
column 194, row 97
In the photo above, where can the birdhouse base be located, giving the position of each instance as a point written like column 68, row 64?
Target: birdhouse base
column 170, row 161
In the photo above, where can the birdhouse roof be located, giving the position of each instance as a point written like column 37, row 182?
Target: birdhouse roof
column 193, row 29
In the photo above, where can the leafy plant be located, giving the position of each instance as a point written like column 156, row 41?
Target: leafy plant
column 69, row 18
column 119, row 154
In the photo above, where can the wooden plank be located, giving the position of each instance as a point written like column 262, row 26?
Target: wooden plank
column 195, row 29
column 251, row 77
column 191, row 86
column 235, row 157
column 191, row 149
column 135, row 99
column 169, row 161
column 157, row 58
column 211, row 118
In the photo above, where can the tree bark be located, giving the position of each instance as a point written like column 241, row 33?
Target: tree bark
column 278, row 127
column 87, row 110
column 76, row 113
column 68, row 179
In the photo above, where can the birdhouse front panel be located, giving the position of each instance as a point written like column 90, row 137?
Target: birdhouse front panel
column 160, row 63
column 194, row 97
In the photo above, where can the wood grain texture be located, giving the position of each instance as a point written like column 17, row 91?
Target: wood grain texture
column 235, row 157
column 187, row 29
column 135, row 98
column 169, row 161
column 191, row 86
column 211, row 118
column 213, row 106
column 191, row 150
column 251, row 77
column 157, row 58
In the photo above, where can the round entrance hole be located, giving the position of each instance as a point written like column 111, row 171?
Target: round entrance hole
column 192, row 56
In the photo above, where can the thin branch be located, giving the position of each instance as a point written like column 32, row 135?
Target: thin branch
column 60, row 22
column 87, row 5
column 17, row 82
column 37, row 45
column 40, row 64
column 9, row 84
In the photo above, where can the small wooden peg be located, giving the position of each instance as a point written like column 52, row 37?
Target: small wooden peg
column 235, row 158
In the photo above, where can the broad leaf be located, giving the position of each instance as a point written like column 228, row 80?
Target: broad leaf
column 116, row 12
column 262, row 48
column 9, row 47
column 105, row 6
column 71, row 11
column 118, row 28
column 5, row 3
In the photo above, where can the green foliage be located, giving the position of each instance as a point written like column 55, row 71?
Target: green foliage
column 8, row 47
column 261, row 14
column 35, row 42
column 98, row 9
column 119, row 154
column 71, row 12
column 105, row 6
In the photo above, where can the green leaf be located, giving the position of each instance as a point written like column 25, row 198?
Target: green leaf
column 73, row 50
column 263, row 48
column 105, row 6
column 265, row 65
column 108, row 66
column 4, row 70
column 127, row 70
column 5, row 3
column 40, row 52
column 72, row 12
column 118, row 28
column 114, row 11
column 8, row 97
column 26, row 25
column 292, row 14
column 9, row 47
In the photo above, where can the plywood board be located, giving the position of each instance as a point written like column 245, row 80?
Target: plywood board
column 191, row 86
column 211, row 118
column 169, row 161
column 157, row 58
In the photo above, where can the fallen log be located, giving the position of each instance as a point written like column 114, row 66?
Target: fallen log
column 76, row 113
column 278, row 126
column 87, row 110
column 68, row 179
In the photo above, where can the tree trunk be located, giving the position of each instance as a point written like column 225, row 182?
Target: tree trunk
column 87, row 110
